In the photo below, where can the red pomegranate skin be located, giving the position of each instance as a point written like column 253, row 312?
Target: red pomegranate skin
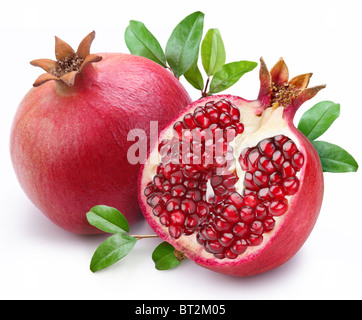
column 69, row 144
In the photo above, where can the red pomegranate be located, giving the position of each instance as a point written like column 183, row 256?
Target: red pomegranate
column 69, row 139
column 236, row 188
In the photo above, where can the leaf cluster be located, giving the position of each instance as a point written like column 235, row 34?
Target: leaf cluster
column 182, row 50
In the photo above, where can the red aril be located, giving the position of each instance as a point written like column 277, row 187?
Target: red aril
column 263, row 183
column 69, row 139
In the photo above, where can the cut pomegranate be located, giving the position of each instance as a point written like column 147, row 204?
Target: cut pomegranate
column 258, row 179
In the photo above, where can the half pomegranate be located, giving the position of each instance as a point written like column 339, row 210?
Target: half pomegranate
column 232, row 183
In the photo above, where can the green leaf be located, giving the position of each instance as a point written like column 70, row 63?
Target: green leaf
column 182, row 48
column 107, row 219
column 229, row 74
column 194, row 77
column 164, row 257
column 112, row 250
column 212, row 52
column 318, row 119
column 334, row 158
column 141, row 42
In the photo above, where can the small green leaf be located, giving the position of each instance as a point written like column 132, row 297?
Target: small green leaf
column 229, row 74
column 107, row 219
column 334, row 158
column 212, row 52
column 182, row 48
column 141, row 42
column 194, row 77
column 164, row 257
column 318, row 119
column 112, row 250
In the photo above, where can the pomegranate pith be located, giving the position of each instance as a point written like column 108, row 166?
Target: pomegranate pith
column 232, row 179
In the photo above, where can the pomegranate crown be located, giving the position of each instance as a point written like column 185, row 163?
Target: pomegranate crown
column 277, row 90
column 68, row 62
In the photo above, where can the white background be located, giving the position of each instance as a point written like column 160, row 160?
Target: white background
column 38, row 260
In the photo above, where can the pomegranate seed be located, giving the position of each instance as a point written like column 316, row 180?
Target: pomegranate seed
column 225, row 119
column 178, row 191
column 278, row 207
column 178, row 127
column 226, row 239
column 221, row 224
column 189, row 121
column 229, row 181
column 260, row 212
column 209, row 233
column 164, row 219
column 213, row 114
column 253, row 158
column 263, row 194
column 192, row 222
column 278, row 159
column 235, row 113
column 201, row 119
column 276, row 191
column 251, row 200
column 177, row 217
column 266, row 164
column 194, row 195
column 173, row 205
column 239, row 247
column 175, row 231
column 280, row 140
column 275, row 177
column 247, row 214
column 239, row 127
column 291, row 185
column 199, row 239
column 202, row 209
column 176, row 177
column 266, row 147
column 240, row 230
column 243, row 159
column 261, row 179
column 298, row 160
column 254, row 240
column 249, row 181
column 288, row 170
column 165, row 197
column 230, row 213
column 230, row 255
column 289, row 148
column 149, row 190
column 256, row 227
column 223, row 106
column 188, row 206
column 154, row 199
column 268, row 224
column 236, row 199
column 213, row 247
column 158, row 209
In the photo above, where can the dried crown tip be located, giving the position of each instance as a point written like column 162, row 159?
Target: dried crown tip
column 68, row 62
column 275, row 85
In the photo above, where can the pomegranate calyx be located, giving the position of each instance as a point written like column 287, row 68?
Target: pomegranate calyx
column 277, row 90
column 68, row 62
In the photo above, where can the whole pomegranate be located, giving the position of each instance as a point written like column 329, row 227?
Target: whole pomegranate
column 237, row 187
column 69, row 139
